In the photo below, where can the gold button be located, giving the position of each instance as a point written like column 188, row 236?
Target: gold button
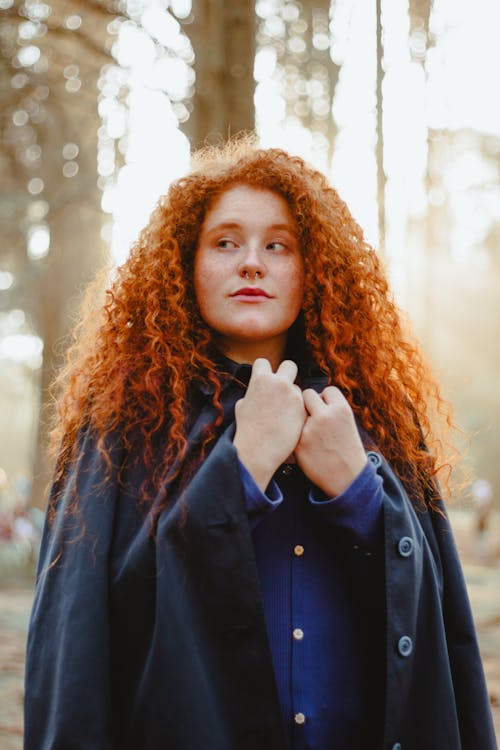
column 299, row 718
column 299, row 550
column 298, row 634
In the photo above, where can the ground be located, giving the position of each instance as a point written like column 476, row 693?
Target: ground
column 481, row 562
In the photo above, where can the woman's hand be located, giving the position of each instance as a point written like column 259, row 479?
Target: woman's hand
column 269, row 419
column 330, row 451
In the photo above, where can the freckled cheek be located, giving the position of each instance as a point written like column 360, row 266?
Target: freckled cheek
column 296, row 287
column 209, row 286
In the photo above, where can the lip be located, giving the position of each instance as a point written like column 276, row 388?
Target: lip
column 251, row 291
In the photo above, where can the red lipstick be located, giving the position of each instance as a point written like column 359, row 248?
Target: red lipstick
column 250, row 291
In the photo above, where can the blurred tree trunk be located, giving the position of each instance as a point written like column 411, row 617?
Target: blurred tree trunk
column 419, row 42
column 420, row 11
column 381, row 176
column 76, row 253
column 76, row 250
column 419, row 39
column 223, row 39
column 59, row 96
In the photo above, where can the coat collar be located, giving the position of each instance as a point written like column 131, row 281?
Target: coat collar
column 310, row 375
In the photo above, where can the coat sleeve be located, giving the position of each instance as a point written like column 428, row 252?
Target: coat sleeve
column 435, row 691
column 67, row 684
column 471, row 696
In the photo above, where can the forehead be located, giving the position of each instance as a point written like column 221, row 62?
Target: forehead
column 244, row 204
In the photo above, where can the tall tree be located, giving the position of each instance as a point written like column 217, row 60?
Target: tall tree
column 223, row 39
column 51, row 58
column 419, row 11
column 420, row 40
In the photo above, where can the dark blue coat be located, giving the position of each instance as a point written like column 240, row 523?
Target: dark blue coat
column 158, row 642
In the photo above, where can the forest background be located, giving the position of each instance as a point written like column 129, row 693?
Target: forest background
column 395, row 101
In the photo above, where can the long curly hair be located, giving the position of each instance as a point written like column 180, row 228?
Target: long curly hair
column 132, row 362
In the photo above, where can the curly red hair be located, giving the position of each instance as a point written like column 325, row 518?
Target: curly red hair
column 131, row 371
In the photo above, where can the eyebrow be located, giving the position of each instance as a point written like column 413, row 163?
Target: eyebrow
column 236, row 225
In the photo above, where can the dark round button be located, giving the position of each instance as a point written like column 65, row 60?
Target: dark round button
column 405, row 645
column 405, row 546
column 397, row 746
column 374, row 458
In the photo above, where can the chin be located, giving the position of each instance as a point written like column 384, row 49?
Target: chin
column 251, row 334
column 255, row 328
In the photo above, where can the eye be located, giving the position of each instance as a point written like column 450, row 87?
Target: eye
column 225, row 243
column 276, row 246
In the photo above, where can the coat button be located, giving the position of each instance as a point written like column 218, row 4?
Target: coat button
column 405, row 546
column 374, row 458
column 397, row 746
column 298, row 634
column 298, row 550
column 299, row 718
column 405, row 645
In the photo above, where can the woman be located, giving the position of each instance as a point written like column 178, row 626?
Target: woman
column 245, row 547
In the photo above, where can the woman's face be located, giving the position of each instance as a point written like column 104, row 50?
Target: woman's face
column 248, row 273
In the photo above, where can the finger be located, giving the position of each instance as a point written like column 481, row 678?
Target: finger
column 261, row 365
column 312, row 401
column 287, row 370
column 332, row 395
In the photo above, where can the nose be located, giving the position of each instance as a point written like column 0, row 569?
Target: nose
column 252, row 265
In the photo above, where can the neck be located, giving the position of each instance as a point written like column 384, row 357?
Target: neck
column 246, row 352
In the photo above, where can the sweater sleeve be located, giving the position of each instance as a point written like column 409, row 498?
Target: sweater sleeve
column 357, row 510
column 258, row 504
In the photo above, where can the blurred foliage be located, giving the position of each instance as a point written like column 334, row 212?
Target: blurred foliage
column 294, row 40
